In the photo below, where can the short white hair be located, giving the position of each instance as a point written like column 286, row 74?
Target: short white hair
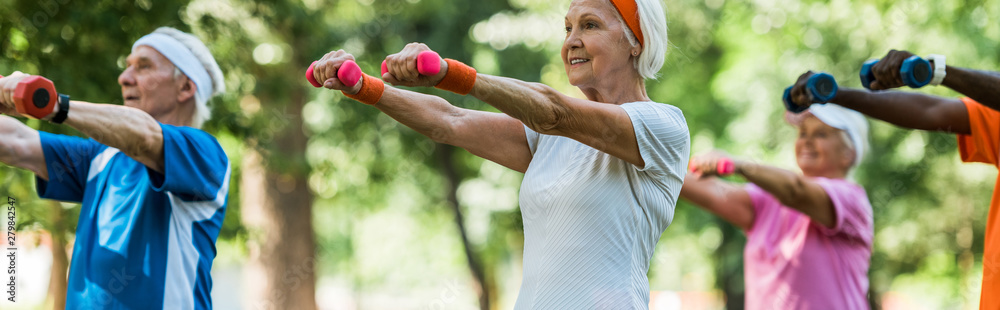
column 653, row 23
column 201, row 111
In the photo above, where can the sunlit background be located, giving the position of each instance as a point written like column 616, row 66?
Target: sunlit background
column 336, row 206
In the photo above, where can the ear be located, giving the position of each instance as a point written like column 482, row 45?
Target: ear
column 635, row 51
column 849, row 157
column 187, row 90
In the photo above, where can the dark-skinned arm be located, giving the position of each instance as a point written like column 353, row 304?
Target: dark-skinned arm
column 903, row 109
column 981, row 86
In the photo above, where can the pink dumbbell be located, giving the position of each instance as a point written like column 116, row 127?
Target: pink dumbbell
column 349, row 74
column 724, row 167
column 428, row 63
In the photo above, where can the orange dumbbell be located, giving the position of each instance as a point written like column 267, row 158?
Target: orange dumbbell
column 35, row 97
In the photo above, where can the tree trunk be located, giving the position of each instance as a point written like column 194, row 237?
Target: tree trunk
column 56, row 296
column 483, row 286
column 277, row 211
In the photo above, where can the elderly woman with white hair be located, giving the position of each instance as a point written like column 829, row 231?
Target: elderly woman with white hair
column 602, row 174
column 809, row 235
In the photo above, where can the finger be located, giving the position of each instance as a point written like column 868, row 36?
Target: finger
column 803, row 98
column 8, row 94
column 400, row 68
column 388, row 78
column 330, row 70
column 882, row 72
column 804, row 77
column 875, row 85
column 796, row 93
column 333, row 83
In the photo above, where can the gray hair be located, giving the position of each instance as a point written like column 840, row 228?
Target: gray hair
column 653, row 23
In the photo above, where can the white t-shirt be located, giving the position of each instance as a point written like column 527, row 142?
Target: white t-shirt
column 592, row 220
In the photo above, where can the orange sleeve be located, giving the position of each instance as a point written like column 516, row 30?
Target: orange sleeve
column 983, row 144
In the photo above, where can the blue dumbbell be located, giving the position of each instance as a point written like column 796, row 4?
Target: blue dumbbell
column 821, row 87
column 916, row 72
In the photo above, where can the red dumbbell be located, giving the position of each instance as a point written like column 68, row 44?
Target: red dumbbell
column 35, row 97
column 723, row 168
column 349, row 73
column 428, row 63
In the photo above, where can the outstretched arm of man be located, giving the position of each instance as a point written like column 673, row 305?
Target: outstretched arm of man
column 130, row 130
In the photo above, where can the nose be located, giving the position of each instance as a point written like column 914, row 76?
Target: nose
column 127, row 78
column 572, row 41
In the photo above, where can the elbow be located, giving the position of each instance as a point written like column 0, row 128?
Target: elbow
column 147, row 141
column 445, row 132
column 550, row 110
column 796, row 194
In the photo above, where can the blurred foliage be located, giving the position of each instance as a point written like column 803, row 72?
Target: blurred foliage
column 380, row 217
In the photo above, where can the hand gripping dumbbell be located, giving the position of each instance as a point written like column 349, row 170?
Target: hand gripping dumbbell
column 349, row 73
column 35, row 97
column 915, row 71
column 821, row 87
column 428, row 63
column 723, row 168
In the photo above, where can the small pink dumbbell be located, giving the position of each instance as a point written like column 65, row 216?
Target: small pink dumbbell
column 428, row 63
column 724, row 167
column 349, row 74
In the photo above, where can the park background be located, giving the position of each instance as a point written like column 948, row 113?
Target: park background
column 336, row 206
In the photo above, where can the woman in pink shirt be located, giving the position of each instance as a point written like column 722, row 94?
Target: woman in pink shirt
column 809, row 235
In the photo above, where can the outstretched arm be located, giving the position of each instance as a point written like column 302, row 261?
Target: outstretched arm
column 603, row 126
column 493, row 136
column 981, row 86
column 130, row 130
column 21, row 147
column 907, row 110
column 791, row 189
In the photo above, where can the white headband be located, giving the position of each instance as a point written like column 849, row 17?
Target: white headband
column 183, row 59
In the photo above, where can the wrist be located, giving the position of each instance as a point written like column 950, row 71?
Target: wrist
column 459, row 78
column 437, row 78
column 60, row 111
column 369, row 91
column 741, row 166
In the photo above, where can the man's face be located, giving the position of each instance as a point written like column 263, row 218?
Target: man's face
column 148, row 82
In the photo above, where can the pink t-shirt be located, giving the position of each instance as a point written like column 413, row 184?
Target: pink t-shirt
column 792, row 262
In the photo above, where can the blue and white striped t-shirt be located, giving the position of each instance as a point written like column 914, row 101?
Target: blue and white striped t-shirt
column 144, row 240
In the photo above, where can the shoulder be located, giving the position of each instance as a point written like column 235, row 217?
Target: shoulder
column 652, row 107
column 844, row 193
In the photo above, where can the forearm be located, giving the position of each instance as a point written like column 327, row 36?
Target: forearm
column 713, row 195
column 903, row 109
column 792, row 190
column 982, row 86
column 428, row 115
column 132, row 131
column 784, row 185
column 536, row 105
column 20, row 146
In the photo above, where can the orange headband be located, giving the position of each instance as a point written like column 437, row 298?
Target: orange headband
column 630, row 13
